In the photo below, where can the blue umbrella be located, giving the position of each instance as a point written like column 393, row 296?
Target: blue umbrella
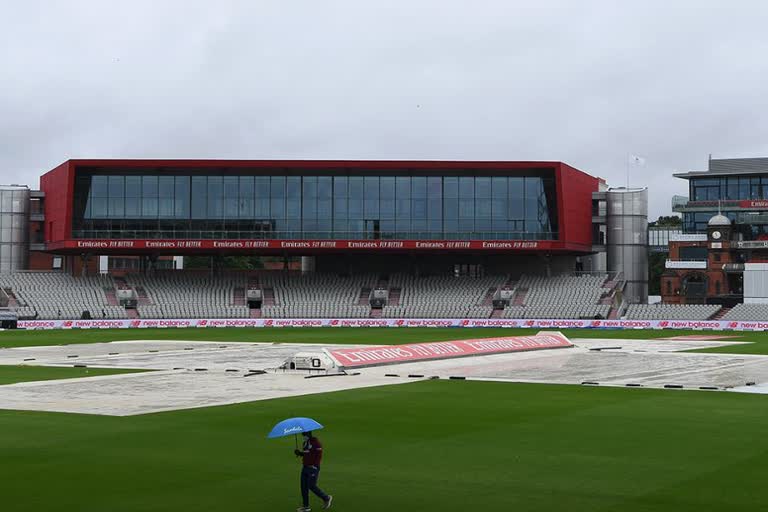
column 294, row 426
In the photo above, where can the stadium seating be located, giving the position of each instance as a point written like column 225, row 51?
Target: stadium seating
column 176, row 294
column 566, row 296
column 442, row 296
column 747, row 313
column 670, row 311
column 316, row 295
column 55, row 295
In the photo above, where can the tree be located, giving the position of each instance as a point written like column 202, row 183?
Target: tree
column 664, row 221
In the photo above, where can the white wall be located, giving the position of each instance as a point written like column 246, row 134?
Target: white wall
column 756, row 283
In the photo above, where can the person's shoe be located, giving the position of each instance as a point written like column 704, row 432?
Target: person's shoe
column 303, row 509
column 328, row 502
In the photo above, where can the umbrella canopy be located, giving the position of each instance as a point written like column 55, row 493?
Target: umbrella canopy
column 293, row 426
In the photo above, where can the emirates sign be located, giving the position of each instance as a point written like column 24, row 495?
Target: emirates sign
column 297, row 245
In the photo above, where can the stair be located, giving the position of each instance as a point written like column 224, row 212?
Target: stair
column 720, row 313
column 13, row 302
column 497, row 313
column 141, row 296
column 519, row 298
column 238, row 298
column 375, row 313
column 365, row 297
column 394, row 297
column 488, row 299
column 255, row 312
column 131, row 313
column 111, row 297
column 613, row 314
column 268, row 297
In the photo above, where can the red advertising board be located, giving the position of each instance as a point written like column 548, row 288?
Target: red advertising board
column 374, row 356
column 754, row 204
column 169, row 245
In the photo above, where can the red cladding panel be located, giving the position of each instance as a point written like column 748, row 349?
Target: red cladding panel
column 574, row 193
column 58, row 185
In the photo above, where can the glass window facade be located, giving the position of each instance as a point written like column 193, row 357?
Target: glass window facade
column 316, row 207
column 729, row 188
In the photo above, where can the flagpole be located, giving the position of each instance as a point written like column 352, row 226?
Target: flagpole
column 627, row 163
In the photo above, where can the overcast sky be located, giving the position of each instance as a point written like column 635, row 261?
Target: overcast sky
column 585, row 82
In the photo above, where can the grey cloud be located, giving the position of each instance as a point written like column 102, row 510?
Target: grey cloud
column 584, row 82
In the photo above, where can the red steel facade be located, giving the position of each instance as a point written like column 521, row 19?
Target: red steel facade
column 574, row 190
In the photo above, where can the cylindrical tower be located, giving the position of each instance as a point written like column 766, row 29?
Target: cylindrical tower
column 14, row 228
column 627, row 239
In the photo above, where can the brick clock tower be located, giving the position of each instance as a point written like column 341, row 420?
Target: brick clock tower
column 719, row 235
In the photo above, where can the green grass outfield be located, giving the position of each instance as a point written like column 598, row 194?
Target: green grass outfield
column 14, row 374
column 383, row 336
column 432, row 446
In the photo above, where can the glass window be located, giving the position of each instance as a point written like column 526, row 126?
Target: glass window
column 466, row 187
column 466, row 208
column 293, row 208
column 166, row 185
column 324, row 187
column 116, row 207
column 215, row 197
column 99, row 186
column 403, row 209
column 419, row 187
column 732, row 190
column 245, row 202
column 309, row 187
column 149, row 207
column 403, row 187
column 340, row 186
column 165, row 207
column 99, row 207
column 309, row 207
column 132, row 207
column 387, row 187
column 277, row 208
column 324, row 209
column 434, row 187
column 199, row 197
column 133, row 186
column 181, row 196
column 261, row 184
column 434, row 208
column 419, row 208
column 499, row 187
column 277, row 190
column 355, row 208
column 387, row 209
column 451, row 187
column 483, row 187
column 744, row 188
column 371, row 187
column 116, row 186
column 340, row 208
column 149, row 186
column 356, row 187
column 450, row 208
column 483, row 208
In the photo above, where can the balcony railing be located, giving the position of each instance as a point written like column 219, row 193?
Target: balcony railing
column 309, row 235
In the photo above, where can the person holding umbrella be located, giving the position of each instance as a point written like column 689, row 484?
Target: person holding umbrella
column 311, row 453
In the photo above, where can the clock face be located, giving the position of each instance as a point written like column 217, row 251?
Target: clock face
column 716, row 235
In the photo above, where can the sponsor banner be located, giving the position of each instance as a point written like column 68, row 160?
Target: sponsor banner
column 758, row 204
column 374, row 356
column 394, row 322
column 288, row 245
